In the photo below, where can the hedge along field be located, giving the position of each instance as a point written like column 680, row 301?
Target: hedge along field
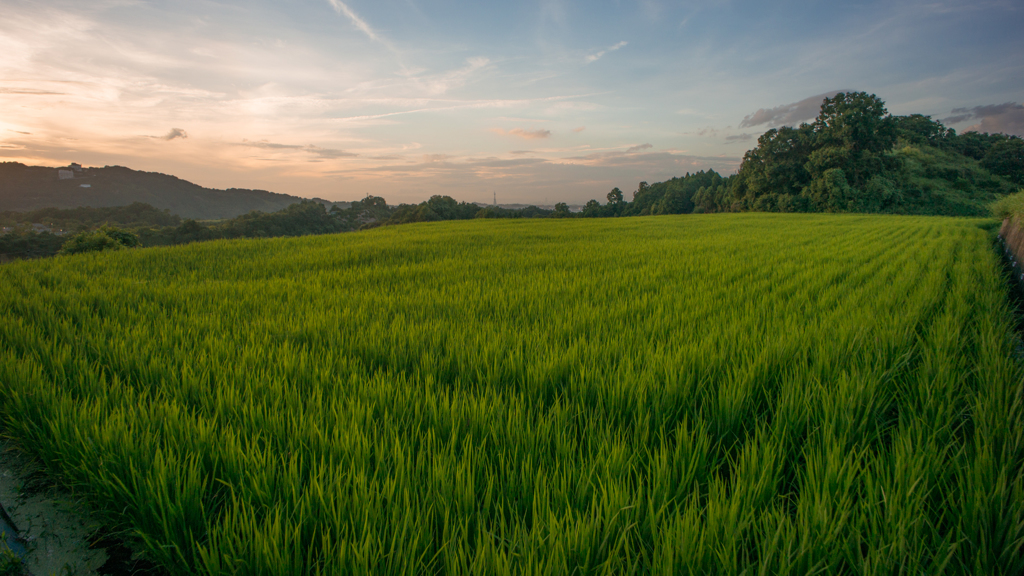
column 721, row 394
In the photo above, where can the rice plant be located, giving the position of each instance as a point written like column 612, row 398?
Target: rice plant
column 719, row 394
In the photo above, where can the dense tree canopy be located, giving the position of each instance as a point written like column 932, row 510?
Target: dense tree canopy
column 852, row 159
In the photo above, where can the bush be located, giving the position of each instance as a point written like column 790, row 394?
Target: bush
column 104, row 238
column 1009, row 205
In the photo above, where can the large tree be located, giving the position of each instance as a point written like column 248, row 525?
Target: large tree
column 1006, row 158
column 854, row 133
column 777, row 164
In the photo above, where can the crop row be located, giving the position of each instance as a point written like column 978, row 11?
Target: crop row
column 763, row 393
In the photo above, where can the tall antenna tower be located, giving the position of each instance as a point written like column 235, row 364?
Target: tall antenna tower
column 495, row 197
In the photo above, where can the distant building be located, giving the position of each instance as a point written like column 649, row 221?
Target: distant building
column 76, row 166
column 65, row 174
column 85, row 185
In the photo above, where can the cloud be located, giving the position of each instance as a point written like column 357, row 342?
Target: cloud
column 442, row 83
column 655, row 163
column 175, row 133
column 452, row 105
column 342, row 8
column 638, row 148
column 1007, row 118
column 525, row 134
column 580, row 129
column 30, row 91
column 311, row 149
column 738, row 137
column 597, row 55
column 329, row 152
column 788, row 114
column 520, row 152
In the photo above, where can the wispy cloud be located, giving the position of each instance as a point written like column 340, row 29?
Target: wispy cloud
column 597, row 55
column 30, row 91
column 580, row 129
column 342, row 8
column 309, row 148
column 738, row 137
column 175, row 133
column 440, row 84
column 1007, row 118
column 788, row 114
column 525, row 134
column 638, row 148
column 448, row 105
column 655, row 163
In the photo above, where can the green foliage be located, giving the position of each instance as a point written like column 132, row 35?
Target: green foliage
column 131, row 216
column 104, row 238
column 616, row 204
column 1006, row 158
column 1008, row 206
column 23, row 244
column 675, row 196
column 937, row 181
column 831, row 192
column 715, row 198
column 436, row 208
column 527, row 212
column 778, row 164
column 920, row 129
column 976, row 145
column 366, row 212
column 10, row 563
column 853, row 133
column 299, row 219
column 744, row 393
column 855, row 157
column 592, row 209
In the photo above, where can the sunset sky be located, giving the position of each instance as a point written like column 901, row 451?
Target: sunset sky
column 537, row 102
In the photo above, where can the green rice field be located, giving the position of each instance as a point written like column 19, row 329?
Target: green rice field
column 716, row 394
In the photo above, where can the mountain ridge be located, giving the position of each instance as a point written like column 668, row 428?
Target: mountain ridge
column 24, row 188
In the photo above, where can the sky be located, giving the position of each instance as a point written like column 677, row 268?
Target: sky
column 534, row 102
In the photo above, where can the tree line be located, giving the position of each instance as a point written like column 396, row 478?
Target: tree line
column 854, row 157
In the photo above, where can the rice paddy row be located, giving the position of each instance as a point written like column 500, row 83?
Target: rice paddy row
column 724, row 394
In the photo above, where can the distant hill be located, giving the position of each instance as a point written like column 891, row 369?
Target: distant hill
column 24, row 188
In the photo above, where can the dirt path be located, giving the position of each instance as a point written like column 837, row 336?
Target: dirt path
column 43, row 526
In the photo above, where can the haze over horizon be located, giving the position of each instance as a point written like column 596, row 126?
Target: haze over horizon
column 537, row 102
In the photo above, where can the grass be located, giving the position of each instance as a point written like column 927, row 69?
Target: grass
column 1008, row 206
column 948, row 183
column 720, row 394
column 10, row 563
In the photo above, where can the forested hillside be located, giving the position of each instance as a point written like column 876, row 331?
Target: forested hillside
column 855, row 157
column 24, row 188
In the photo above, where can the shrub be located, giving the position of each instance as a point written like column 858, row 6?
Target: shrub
column 1009, row 205
column 104, row 238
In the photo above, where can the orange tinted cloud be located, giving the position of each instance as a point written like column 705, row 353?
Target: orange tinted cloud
column 525, row 134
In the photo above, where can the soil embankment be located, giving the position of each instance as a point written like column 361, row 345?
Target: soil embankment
column 1012, row 234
